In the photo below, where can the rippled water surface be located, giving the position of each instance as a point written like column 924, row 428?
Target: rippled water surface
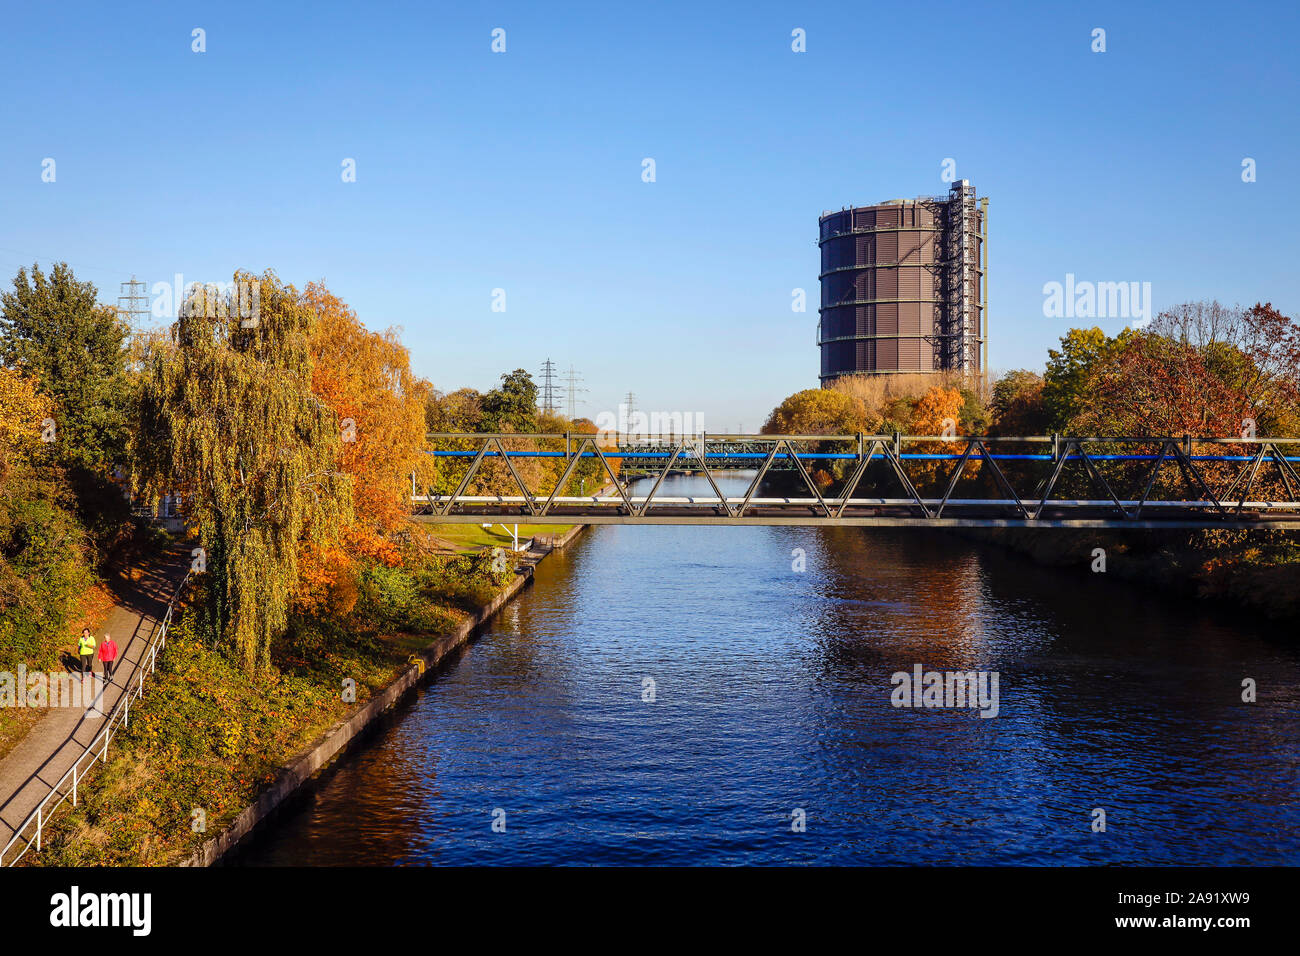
column 773, row 694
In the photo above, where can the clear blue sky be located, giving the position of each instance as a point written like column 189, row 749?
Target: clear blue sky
column 522, row 170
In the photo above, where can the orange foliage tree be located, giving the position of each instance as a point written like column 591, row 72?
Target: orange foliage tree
column 366, row 378
column 937, row 412
column 937, row 409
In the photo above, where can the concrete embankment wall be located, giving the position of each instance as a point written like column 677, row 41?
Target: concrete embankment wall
column 338, row 739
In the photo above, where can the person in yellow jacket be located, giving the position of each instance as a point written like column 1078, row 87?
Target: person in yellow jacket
column 86, row 648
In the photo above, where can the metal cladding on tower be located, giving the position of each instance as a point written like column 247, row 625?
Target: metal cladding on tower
column 903, row 286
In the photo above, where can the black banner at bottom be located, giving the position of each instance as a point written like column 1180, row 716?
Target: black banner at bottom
column 332, row 905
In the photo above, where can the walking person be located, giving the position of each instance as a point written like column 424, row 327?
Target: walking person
column 86, row 648
column 108, row 656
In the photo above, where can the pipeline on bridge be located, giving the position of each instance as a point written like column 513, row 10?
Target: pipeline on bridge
column 1198, row 461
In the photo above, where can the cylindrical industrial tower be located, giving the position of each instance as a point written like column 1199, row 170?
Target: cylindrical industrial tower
column 900, row 286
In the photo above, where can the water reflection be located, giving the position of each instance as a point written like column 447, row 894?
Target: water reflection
column 772, row 693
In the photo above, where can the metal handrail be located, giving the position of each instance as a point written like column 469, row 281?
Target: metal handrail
column 97, row 748
column 750, row 436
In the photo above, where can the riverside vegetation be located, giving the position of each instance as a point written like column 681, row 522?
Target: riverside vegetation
column 293, row 441
column 1199, row 369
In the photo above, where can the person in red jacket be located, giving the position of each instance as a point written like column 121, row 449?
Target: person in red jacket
column 108, row 656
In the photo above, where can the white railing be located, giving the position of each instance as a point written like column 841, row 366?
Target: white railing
column 97, row 749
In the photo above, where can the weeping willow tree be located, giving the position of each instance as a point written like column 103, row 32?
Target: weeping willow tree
column 228, row 419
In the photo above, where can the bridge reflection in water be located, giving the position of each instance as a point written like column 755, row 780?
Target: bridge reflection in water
column 1064, row 482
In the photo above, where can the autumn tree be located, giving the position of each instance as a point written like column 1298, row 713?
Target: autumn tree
column 1198, row 369
column 366, row 379
column 228, row 417
column 820, row 411
column 514, row 405
column 23, row 409
column 458, row 411
column 1158, row 386
column 42, row 546
column 1253, row 354
column 888, row 400
column 937, row 412
column 1017, row 406
column 43, row 568
column 511, row 407
column 817, row 411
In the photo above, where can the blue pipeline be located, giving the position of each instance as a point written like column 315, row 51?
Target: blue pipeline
column 846, row 457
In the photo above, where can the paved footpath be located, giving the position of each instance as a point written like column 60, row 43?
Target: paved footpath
column 48, row 750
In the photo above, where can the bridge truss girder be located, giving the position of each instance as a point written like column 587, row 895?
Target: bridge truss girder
column 1201, row 509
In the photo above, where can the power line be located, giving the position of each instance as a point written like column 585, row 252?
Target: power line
column 31, row 258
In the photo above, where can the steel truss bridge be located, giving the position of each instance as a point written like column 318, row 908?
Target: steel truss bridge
column 1125, row 478
column 648, row 456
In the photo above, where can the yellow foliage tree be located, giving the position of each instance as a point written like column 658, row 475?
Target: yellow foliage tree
column 818, row 411
column 22, row 410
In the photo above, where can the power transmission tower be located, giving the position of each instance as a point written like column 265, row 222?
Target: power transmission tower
column 572, row 390
column 549, row 388
column 630, row 402
column 133, row 304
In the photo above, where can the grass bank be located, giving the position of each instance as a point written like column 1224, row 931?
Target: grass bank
column 207, row 738
column 469, row 538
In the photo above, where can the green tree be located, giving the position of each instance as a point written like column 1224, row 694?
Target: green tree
column 228, row 418
column 42, row 569
column 53, row 328
column 1069, row 368
column 974, row 417
column 512, row 406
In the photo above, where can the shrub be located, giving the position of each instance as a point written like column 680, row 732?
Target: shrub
column 42, row 570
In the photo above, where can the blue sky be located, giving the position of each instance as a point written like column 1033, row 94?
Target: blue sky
column 522, row 170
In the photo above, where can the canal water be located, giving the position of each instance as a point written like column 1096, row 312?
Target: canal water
column 771, row 737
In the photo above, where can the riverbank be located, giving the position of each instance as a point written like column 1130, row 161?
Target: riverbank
column 338, row 739
column 212, row 753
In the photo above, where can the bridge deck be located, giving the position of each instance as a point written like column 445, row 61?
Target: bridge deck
column 896, row 516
